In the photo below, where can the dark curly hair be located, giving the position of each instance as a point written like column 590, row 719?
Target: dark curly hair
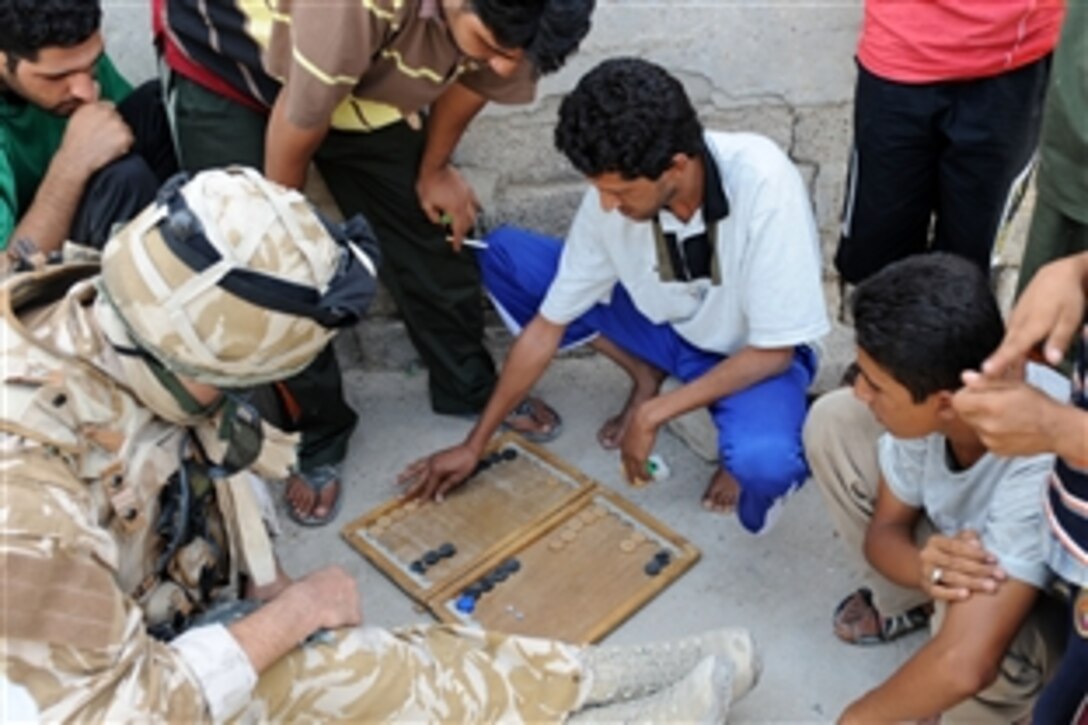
column 627, row 116
column 27, row 26
column 547, row 30
column 927, row 318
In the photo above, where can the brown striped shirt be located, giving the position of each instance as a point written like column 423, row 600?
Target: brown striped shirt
column 361, row 63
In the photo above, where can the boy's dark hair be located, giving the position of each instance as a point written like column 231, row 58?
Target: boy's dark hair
column 27, row 26
column 927, row 318
column 630, row 117
column 547, row 30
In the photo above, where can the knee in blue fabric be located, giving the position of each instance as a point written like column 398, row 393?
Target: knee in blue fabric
column 519, row 265
column 767, row 470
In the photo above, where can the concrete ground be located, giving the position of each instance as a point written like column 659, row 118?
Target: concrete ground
column 782, row 585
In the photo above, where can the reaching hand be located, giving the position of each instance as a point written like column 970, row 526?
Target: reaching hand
column 1051, row 309
column 444, row 195
column 332, row 595
column 1011, row 417
column 636, row 446
column 954, row 567
column 439, row 473
column 95, row 136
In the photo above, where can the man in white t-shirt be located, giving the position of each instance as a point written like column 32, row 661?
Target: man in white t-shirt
column 938, row 517
column 693, row 254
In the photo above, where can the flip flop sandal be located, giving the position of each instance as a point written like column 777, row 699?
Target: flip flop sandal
column 316, row 481
column 857, row 621
column 526, row 409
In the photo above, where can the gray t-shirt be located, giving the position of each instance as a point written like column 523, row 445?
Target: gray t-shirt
column 1001, row 498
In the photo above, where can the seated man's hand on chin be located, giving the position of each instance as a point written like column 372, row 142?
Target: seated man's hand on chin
column 439, row 473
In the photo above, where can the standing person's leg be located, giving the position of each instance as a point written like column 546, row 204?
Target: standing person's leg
column 840, row 439
column 991, row 132
column 437, row 291
column 892, row 182
column 1066, row 695
column 1052, row 235
column 213, row 131
column 123, row 188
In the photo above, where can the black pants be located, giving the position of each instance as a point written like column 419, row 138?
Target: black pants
column 121, row 189
column 942, row 154
column 1066, row 695
column 437, row 291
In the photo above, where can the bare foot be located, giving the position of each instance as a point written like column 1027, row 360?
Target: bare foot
column 646, row 383
column 722, row 494
column 308, row 504
column 611, row 432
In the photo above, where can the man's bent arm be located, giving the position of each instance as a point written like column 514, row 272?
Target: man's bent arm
column 48, row 220
column 889, row 539
column 747, row 367
column 450, row 115
column 444, row 195
column 289, row 148
column 962, row 660
column 95, row 136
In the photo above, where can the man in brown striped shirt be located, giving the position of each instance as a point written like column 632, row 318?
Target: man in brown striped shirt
column 377, row 93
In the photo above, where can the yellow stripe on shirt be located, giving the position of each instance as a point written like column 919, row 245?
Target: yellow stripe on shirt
column 427, row 73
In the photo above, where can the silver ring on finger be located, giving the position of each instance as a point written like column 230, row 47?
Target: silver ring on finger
column 936, row 575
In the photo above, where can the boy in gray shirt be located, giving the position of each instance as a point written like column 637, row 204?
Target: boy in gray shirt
column 938, row 517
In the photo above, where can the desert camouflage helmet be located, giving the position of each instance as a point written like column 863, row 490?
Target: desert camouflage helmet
column 235, row 281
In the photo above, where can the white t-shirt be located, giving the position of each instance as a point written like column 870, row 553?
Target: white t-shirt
column 767, row 248
column 1001, row 498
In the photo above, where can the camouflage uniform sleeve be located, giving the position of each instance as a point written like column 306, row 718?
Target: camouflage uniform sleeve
column 422, row 674
column 71, row 637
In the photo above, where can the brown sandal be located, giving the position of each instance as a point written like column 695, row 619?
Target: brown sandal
column 857, row 621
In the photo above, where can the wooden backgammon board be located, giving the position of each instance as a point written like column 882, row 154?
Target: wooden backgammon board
column 528, row 545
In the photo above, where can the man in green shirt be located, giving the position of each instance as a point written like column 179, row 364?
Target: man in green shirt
column 79, row 149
